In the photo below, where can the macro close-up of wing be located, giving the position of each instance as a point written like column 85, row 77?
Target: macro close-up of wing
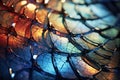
column 59, row 39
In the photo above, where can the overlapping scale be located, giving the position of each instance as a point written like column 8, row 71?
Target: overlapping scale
column 59, row 39
column 83, row 68
column 76, row 27
column 70, row 10
column 63, row 44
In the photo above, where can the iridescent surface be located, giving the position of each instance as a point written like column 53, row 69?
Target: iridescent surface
column 59, row 40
